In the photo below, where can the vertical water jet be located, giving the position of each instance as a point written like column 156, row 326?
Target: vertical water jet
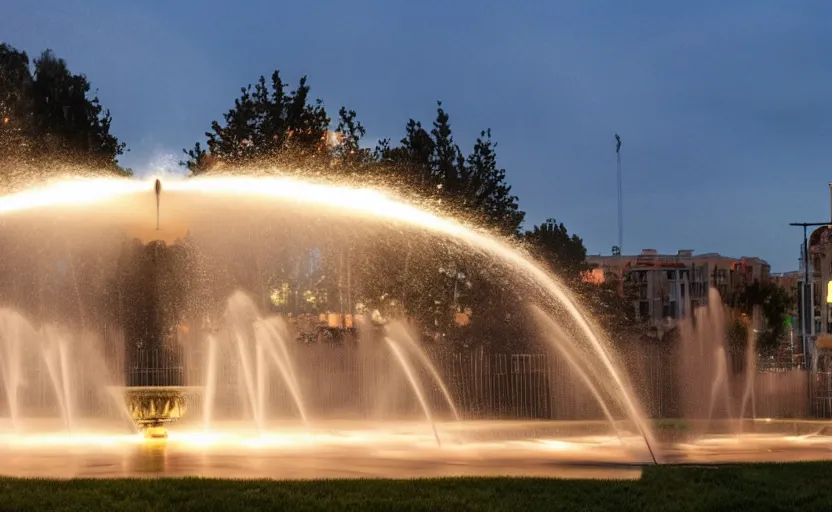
column 402, row 334
column 415, row 385
column 210, row 383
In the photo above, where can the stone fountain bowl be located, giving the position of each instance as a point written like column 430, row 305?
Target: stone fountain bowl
column 156, row 406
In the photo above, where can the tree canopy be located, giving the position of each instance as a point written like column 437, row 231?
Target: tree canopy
column 774, row 303
column 48, row 116
column 268, row 127
column 565, row 254
column 433, row 166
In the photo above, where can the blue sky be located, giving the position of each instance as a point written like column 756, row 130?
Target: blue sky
column 725, row 108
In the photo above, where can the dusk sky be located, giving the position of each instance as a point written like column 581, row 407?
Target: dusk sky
column 724, row 108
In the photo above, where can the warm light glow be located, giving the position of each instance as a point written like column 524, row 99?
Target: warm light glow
column 594, row 276
column 156, row 433
column 91, row 439
column 829, row 292
column 381, row 206
column 77, row 191
column 363, row 202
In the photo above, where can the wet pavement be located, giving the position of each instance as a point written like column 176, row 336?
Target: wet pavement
column 354, row 450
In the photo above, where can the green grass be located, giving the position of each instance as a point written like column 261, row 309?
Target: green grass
column 800, row 486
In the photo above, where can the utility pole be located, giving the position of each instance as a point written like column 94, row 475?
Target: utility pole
column 620, row 195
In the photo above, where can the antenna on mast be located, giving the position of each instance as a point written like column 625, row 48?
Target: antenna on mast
column 158, row 188
column 620, row 194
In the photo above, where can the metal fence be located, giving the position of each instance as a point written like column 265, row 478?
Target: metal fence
column 365, row 382
column 343, row 380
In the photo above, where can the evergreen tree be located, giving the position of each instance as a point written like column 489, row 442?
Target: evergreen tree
column 347, row 150
column 432, row 166
column 267, row 125
column 70, row 123
column 774, row 303
column 564, row 254
column 487, row 189
column 447, row 166
column 15, row 101
column 48, row 116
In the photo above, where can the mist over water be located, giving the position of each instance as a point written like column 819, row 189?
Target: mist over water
column 218, row 301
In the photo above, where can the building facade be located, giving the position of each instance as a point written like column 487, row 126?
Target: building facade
column 664, row 288
column 814, row 306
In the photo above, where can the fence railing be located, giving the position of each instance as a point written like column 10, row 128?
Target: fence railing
column 367, row 382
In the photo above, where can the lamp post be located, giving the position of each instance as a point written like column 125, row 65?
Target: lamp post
column 806, row 303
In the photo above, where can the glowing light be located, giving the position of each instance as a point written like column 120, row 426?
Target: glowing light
column 197, row 438
column 384, row 207
column 156, row 433
column 555, row 445
column 47, row 440
column 358, row 201
column 77, row 191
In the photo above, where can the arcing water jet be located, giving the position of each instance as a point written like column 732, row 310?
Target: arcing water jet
column 373, row 204
column 361, row 204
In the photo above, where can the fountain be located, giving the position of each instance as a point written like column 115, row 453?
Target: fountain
column 221, row 315
column 720, row 381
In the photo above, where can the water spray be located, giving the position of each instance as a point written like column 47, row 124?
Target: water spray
column 158, row 188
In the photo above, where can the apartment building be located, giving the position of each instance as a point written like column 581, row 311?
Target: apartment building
column 820, row 279
column 667, row 287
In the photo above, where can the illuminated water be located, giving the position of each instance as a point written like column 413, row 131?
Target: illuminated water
column 370, row 450
column 268, row 406
column 713, row 388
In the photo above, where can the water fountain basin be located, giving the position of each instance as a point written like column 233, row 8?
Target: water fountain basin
column 153, row 407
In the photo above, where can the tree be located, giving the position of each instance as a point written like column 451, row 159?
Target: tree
column 431, row 166
column 347, row 151
column 487, row 189
column 48, row 116
column 774, row 303
column 15, row 100
column 267, row 125
column 564, row 254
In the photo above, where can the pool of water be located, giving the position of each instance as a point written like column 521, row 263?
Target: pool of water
column 367, row 450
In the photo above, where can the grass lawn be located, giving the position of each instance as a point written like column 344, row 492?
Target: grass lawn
column 758, row 487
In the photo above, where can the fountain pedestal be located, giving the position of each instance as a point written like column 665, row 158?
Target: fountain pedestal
column 152, row 408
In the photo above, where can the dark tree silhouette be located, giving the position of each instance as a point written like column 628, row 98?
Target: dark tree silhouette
column 47, row 115
column 564, row 254
column 431, row 166
column 774, row 303
column 268, row 125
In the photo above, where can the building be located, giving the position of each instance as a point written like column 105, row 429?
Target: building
column 818, row 311
column 667, row 287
